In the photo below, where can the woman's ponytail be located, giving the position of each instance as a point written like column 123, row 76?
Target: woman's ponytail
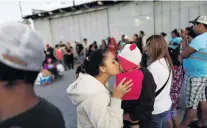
column 92, row 63
column 85, row 66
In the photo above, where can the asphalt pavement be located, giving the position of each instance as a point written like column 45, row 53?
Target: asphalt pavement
column 56, row 94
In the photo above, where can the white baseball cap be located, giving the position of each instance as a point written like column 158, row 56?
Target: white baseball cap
column 21, row 47
column 201, row 19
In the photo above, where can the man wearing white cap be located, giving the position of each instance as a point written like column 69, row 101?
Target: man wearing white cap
column 21, row 57
column 195, row 80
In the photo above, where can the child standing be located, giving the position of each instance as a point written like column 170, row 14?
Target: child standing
column 173, row 120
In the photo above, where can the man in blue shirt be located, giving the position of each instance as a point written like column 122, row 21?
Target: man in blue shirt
column 195, row 65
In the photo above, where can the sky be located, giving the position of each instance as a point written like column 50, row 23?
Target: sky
column 10, row 9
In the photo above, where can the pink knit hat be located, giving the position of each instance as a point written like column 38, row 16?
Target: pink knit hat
column 130, row 57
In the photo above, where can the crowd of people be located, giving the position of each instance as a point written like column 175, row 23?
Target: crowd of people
column 176, row 81
column 171, row 75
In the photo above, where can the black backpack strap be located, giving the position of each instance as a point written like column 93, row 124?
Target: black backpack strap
column 160, row 90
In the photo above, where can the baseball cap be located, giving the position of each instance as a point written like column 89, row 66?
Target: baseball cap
column 201, row 19
column 21, row 47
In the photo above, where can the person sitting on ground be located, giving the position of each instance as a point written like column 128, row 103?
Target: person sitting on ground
column 21, row 57
column 44, row 77
column 52, row 67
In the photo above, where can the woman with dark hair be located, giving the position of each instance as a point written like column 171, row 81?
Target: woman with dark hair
column 59, row 54
column 164, row 35
column 161, row 69
column 96, row 106
column 103, row 44
column 68, row 57
column 90, row 50
column 178, row 73
column 190, row 34
column 95, row 45
column 138, row 42
column 143, row 37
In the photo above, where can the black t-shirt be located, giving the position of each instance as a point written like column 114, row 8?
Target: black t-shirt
column 43, row 115
column 141, row 109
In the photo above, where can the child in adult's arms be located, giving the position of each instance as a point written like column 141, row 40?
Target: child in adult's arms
column 137, row 113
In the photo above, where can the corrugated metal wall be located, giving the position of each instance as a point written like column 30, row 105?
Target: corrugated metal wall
column 131, row 17
column 175, row 14
column 93, row 26
column 125, row 18
column 42, row 26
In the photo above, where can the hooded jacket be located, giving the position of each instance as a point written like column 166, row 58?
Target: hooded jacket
column 95, row 106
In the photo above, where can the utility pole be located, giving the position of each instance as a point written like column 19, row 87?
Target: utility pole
column 73, row 2
column 20, row 7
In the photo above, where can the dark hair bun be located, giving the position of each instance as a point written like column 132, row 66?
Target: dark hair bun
column 92, row 63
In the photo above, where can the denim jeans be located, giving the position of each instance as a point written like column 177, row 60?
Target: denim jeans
column 160, row 120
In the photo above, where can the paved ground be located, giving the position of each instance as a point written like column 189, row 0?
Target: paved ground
column 56, row 94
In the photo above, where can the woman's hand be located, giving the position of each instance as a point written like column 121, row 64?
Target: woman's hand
column 122, row 88
column 127, row 118
column 189, row 38
column 183, row 34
